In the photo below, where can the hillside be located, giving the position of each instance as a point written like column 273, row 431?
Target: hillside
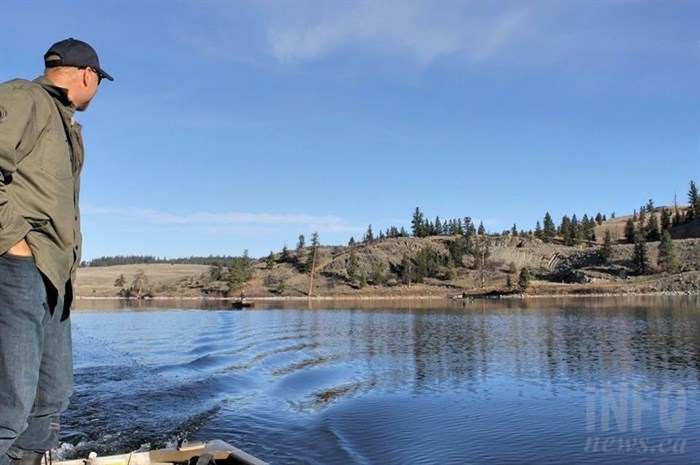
column 387, row 267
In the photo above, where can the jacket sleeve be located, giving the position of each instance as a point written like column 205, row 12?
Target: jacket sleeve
column 18, row 135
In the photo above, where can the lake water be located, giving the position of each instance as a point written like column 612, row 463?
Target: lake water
column 586, row 381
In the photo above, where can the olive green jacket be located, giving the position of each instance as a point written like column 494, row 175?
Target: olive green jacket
column 41, row 155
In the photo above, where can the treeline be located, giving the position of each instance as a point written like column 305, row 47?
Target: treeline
column 211, row 260
column 570, row 231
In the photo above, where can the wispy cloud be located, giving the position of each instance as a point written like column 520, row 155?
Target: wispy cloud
column 220, row 221
column 527, row 33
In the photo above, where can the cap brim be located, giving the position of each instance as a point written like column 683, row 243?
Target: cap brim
column 104, row 74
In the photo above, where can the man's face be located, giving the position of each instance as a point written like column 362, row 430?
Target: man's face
column 86, row 87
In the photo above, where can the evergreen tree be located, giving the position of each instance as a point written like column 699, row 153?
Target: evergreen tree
column 311, row 258
column 302, row 242
column 550, row 229
column 353, row 267
column 640, row 258
column 237, row 275
column 514, row 230
column 652, row 228
column 606, row 250
column 481, row 231
column 437, row 226
column 587, row 228
column 469, row 229
column 427, row 264
column 599, row 219
column 369, row 235
column 377, row 277
column 538, row 230
column 650, row 206
column 418, row 223
column 565, row 229
column 694, row 203
column 285, row 257
column 120, row 282
column 524, row 279
column 458, row 248
column 630, row 231
column 270, row 262
column 666, row 219
column 641, row 218
column 667, row 260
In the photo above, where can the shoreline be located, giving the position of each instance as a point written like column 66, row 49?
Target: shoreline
column 457, row 298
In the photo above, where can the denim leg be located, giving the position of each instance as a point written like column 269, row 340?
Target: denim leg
column 35, row 360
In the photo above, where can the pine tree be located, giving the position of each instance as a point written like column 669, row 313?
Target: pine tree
column 482, row 230
column 666, row 220
column 437, row 226
column 285, row 257
column 630, row 231
column 652, row 228
column 469, row 229
column 549, row 229
column 640, row 258
column 417, row 223
column 524, row 279
column 311, row 258
column 270, row 262
column 667, row 260
column 565, row 230
column 606, row 250
column 120, row 282
column 694, row 203
column 353, row 267
column 538, row 230
column 650, row 206
column 302, row 242
column 369, row 235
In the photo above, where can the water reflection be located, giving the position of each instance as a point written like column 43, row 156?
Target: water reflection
column 332, row 370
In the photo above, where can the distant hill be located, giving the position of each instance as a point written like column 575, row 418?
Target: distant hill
column 408, row 266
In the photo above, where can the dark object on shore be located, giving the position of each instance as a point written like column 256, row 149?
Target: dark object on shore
column 494, row 294
column 242, row 303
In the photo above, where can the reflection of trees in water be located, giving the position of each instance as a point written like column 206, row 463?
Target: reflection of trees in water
column 572, row 343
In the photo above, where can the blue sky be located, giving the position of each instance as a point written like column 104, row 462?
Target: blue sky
column 241, row 125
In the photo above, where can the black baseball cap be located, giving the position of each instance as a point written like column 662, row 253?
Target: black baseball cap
column 73, row 52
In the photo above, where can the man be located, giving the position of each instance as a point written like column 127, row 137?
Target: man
column 41, row 155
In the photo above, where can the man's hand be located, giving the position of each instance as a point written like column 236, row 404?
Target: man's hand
column 20, row 249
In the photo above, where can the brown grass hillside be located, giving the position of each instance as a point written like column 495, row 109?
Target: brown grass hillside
column 556, row 269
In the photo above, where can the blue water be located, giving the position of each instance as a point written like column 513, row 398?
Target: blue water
column 569, row 381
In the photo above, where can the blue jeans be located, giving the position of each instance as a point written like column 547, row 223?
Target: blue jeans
column 36, row 366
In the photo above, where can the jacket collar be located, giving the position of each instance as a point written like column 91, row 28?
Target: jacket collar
column 58, row 93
